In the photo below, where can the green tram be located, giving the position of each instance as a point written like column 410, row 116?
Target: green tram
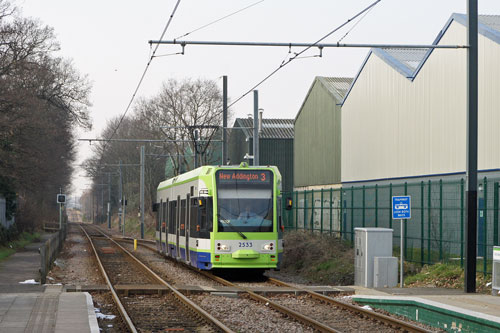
column 222, row 217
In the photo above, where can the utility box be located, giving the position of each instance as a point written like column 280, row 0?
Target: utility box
column 385, row 272
column 495, row 285
column 368, row 244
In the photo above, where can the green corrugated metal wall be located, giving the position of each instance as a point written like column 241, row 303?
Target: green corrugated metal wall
column 317, row 139
column 279, row 152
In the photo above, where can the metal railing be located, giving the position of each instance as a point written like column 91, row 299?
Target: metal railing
column 435, row 233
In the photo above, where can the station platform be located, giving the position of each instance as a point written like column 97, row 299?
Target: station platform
column 27, row 306
column 448, row 309
column 50, row 311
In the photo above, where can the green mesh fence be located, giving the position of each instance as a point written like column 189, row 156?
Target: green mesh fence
column 435, row 232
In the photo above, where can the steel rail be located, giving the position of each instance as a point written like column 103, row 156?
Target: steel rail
column 118, row 303
column 374, row 315
column 190, row 304
column 289, row 312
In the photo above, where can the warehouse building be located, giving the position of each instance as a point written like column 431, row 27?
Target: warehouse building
column 317, row 134
column 405, row 114
column 404, row 132
column 275, row 145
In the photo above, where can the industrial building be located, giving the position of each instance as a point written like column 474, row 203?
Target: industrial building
column 275, row 145
column 405, row 113
column 403, row 132
column 318, row 136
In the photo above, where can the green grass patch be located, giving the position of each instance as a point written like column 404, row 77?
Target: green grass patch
column 446, row 275
column 24, row 239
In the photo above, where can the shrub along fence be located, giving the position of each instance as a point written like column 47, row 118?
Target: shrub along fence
column 435, row 232
column 49, row 250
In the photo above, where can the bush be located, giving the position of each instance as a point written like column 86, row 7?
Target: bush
column 319, row 258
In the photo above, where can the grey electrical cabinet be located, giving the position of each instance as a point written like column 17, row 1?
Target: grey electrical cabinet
column 495, row 285
column 385, row 272
column 368, row 244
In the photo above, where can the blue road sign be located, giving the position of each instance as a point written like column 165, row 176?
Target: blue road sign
column 401, row 207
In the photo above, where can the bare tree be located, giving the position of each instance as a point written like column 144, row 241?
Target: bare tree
column 42, row 99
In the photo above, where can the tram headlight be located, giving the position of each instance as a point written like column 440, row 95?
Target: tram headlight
column 223, row 247
column 268, row 247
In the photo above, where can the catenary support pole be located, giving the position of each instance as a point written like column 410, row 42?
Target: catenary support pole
column 60, row 211
column 142, row 191
column 120, row 194
column 255, row 127
column 471, row 171
column 109, row 200
column 124, row 214
column 224, row 119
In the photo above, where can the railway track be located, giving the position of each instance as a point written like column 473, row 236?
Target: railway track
column 147, row 313
column 296, row 307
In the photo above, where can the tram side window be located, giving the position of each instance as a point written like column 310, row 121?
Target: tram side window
column 173, row 212
column 194, row 224
column 205, row 217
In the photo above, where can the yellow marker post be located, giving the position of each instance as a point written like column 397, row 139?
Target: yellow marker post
column 135, row 244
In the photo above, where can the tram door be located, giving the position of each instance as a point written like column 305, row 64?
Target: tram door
column 160, row 220
column 186, row 225
column 178, row 226
column 164, row 227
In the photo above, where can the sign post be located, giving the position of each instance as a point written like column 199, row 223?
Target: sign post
column 401, row 209
column 61, row 199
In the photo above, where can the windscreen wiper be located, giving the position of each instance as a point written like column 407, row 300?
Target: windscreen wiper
column 228, row 223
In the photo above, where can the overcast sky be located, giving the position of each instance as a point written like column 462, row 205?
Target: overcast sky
column 108, row 41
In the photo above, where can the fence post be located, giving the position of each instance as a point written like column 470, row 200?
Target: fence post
column 495, row 213
column 312, row 211
column 363, row 206
column 331, row 217
column 352, row 214
column 305, row 209
column 440, row 219
column 296, row 210
column 422, row 222
column 429, row 214
column 390, row 206
column 321, row 210
column 462, row 222
column 376, row 205
column 485, row 235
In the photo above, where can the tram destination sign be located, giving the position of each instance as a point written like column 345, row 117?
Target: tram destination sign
column 401, row 207
column 246, row 176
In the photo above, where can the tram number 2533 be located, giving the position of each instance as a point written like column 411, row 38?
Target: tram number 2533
column 244, row 244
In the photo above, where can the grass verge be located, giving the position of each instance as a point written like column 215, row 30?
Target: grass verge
column 11, row 247
column 446, row 275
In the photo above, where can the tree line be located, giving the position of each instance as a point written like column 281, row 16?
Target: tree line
column 185, row 114
column 43, row 99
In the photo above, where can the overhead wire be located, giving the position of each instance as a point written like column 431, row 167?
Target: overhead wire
column 220, row 19
column 152, row 56
column 354, row 25
column 296, row 55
